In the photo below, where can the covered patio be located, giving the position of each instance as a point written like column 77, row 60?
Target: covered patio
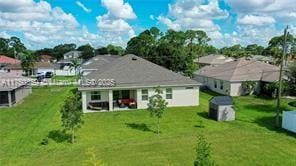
column 109, row 100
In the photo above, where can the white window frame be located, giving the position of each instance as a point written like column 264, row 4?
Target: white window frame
column 144, row 95
column 97, row 94
column 169, row 92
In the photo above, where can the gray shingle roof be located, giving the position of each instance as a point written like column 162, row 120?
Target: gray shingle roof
column 214, row 59
column 241, row 70
column 133, row 71
column 10, row 81
column 222, row 100
column 98, row 61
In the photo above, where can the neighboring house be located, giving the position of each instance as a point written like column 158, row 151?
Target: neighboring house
column 64, row 67
column 14, row 69
column 39, row 67
column 227, row 79
column 5, row 60
column 12, row 90
column 45, row 58
column 261, row 58
column 135, row 81
column 72, row 54
column 43, row 67
column 213, row 60
column 96, row 62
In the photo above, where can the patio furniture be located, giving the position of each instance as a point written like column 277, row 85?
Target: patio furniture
column 98, row 105
column 131, row 103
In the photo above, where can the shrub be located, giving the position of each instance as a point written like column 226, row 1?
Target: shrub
column 203, row 153
column 44, row 141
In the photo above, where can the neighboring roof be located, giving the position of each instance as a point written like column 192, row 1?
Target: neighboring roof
column 69, row 60
column 16, row 66
column 133, row 71
column 73, row 52
column 36, row 65
column 214, row 59
column 222, row 100
column 241, row 70
column 8, row 60
column 45, row 57
column 262, row 58
column 44, row 65
column 8, row 81
column 98, row 61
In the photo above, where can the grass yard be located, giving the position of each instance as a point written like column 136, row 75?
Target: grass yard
column 128, row 138
column 65, row 78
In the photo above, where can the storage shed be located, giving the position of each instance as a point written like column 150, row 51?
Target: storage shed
column 221, row 108
column 289, row 121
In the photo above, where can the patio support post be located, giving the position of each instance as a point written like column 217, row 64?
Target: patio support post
column 84, row 101
column 9, row 99
column 110, row 100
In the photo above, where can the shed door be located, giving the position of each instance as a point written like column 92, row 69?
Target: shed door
column 3, row 98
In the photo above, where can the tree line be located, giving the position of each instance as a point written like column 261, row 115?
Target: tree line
column 175, row 50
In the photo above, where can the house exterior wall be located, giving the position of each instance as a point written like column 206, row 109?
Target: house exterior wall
column 21, row 93
column 44, row 70
column 210, row 83
column 64, row 72
column 181, row 97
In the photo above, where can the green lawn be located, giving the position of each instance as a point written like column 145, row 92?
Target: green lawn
column 65, row 78
column 128, row 138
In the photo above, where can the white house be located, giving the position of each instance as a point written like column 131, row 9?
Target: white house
column 129, row 81
column 72, row 54
column 227, row 78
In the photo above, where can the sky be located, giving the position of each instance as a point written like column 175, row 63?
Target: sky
column 47, row 23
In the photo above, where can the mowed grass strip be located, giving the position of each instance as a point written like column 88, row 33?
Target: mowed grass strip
column 129, row 138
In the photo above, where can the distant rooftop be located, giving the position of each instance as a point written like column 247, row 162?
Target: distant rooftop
column 214, row 59
column 8, row 60
column 241, row 70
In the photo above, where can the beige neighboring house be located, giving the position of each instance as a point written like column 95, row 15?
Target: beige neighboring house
column 213, row 60
column 227, row 79
column 13, row 89
column 135, row 79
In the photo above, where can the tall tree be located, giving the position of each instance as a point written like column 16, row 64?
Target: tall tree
column 276, row 45
column 87, row 51
column 11, row 47
column 71, row 114
column 156, row 106
column 60, row 50
column 27, row 62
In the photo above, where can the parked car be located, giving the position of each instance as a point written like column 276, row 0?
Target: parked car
column 48, row 74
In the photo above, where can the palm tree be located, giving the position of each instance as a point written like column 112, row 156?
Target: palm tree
column 75, row 63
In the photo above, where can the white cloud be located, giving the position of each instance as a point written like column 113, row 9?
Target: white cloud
column 114, row 23
column 4, row 34
column 281, row 10
column 256, row 20
column 119, row 9
column 83, row 7
column 195, row 14
column 151, row 16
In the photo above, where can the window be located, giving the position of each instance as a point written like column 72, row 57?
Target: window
column 144, row 94
column 221, row 85
column 169, row 93
column 189, row 87
column 215, row 84
column 95, row 95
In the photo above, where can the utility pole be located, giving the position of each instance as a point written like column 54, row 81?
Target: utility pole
column 277, row 117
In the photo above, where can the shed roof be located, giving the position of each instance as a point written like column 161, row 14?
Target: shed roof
column 10, row 81
column 222, row 100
